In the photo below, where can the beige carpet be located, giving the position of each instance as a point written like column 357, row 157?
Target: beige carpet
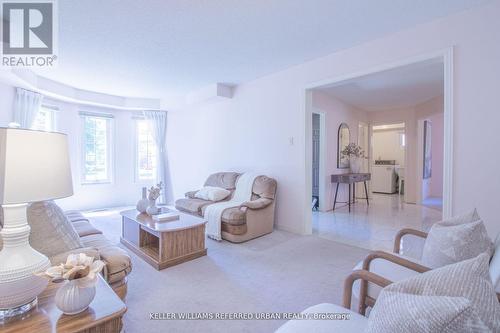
column 280, row 272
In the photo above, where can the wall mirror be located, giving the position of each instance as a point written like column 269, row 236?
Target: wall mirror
column 343, row 139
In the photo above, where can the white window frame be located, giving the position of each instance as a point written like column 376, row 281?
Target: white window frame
column 54, row 115
column 110, row 148
column 137, row 178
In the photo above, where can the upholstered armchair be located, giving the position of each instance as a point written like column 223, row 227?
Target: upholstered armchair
column 251, row 219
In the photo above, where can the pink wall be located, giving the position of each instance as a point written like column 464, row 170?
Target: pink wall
column 433, row 111
column 336, row 112
column 436, row 184
column 253, row 130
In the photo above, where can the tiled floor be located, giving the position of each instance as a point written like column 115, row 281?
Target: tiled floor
column 373, row 227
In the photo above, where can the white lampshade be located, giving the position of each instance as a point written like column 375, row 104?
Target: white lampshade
column 34, row 166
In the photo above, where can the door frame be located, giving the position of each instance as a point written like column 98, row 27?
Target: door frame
column 446, row 55
column 322, row 159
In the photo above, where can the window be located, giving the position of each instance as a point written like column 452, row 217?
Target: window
column 96, row 148
column 146, row 152
column 45, row 119
column 402, row 140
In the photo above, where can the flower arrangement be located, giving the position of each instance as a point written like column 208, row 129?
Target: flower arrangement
column 154, row 191
column 353, row 150
column 77, row 267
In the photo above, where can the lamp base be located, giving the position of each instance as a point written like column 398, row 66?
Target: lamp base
column 19, row 262
column 7, row 314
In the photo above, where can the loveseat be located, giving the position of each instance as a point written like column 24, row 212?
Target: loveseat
column 57, row 234
column 118, row 263
column 252, row 219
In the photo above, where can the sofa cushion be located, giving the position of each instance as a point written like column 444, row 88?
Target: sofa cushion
column 118, row 264
column 75, row 216
column 192, row 206
column 85, row 228
column 51, row 232
column 211, row 193
column 355, row 324
column 456, row 239
column 61, row 257
column 225, row 180
column 240, row 229
column 234, row 216
column 468, row 302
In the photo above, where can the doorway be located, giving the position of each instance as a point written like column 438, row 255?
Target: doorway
column 317, row 200
column 444, row 57
column 388, row 158
column 430, row 161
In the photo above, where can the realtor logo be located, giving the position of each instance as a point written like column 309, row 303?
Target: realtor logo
column 28, row 33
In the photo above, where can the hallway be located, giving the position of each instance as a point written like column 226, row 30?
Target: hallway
column 373, row 227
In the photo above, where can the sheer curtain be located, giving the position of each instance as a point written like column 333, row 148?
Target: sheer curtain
column 26, row 107
column 157, row 121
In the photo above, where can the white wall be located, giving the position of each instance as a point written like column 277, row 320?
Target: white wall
column 387, row 146
column 253, row 130
column 123, row 190
column 336, row 112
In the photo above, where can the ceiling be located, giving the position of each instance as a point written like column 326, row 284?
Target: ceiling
column 159, row 48
column 392, row 89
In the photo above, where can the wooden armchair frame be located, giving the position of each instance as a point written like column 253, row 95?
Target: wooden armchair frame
column 364, row 276
column 364, row 299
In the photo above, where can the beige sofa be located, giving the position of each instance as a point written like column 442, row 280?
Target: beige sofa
column 252, row 219
column 118, row 263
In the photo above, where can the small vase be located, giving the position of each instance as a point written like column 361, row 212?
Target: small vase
column 143, row 204
column 72, row 298
column 152, row 209
column 356, row 164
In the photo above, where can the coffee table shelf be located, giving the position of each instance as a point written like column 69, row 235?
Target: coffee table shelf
column 163, row 244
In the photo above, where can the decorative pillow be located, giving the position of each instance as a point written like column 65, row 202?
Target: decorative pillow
column 453, row 298
column 456, row 239
column 51, row 232
column 212, row 193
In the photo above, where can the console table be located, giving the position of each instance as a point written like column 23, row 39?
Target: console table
column 350, row 178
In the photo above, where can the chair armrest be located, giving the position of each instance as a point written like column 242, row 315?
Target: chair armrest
column 363, row 293
column 406, row 231
column 257, row 204
column 365, row 276
column 395, row 259
column 190, row 194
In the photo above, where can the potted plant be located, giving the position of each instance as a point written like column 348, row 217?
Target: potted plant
column 355, row 154
column 79, row 275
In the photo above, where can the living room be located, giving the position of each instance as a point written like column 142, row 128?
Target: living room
column 208, row 110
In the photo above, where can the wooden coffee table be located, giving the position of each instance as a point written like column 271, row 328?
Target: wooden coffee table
column 163, row 244
column 104, row 314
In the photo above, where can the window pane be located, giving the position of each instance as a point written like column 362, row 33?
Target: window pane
column 96, row 149
column 146, row 152
column 44, row 120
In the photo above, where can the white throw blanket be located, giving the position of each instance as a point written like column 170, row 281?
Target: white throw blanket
column 213, row 212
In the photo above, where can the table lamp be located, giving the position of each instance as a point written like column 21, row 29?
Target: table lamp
column 34, row 166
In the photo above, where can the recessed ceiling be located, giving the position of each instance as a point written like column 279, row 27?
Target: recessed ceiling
column 159, row 48
column 401, row 87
